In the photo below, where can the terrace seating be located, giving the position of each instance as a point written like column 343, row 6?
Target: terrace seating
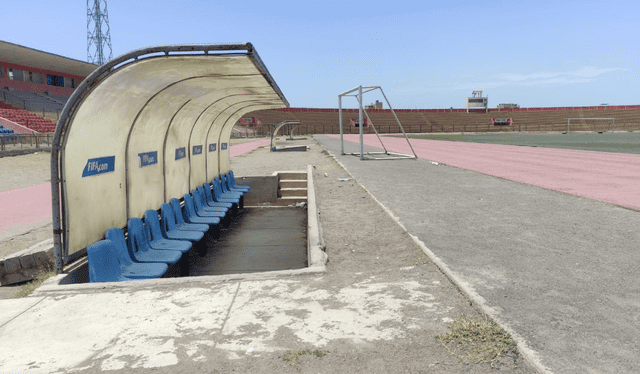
column 27, row 119
column 141, row 251
column 159, row 241
column 105, row 265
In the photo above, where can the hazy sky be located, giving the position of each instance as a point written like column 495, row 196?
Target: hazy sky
column 423, row 54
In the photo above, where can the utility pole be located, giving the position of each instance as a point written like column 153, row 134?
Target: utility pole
column 98, row 32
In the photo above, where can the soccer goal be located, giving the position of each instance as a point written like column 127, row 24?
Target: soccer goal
column 597, row 124
column 386, row 155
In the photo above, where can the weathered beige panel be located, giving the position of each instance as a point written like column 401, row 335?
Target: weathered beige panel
column 234, row 114
column 158, row 105
column 101, row 127
column 146, row 183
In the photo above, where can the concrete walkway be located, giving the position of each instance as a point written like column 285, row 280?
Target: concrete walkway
column 560, row 270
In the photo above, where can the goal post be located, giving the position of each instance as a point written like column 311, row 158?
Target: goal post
column 612, row 120
column 386, row 155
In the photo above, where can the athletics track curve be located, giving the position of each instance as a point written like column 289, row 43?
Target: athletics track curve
column 26, row 208
column 604, row 176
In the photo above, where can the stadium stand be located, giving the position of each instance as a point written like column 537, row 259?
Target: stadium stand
column 325, row 121
column 26, row 118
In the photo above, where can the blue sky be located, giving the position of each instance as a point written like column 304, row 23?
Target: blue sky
column 423, row 54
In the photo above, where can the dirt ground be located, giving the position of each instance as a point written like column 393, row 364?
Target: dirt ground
column 25, row 170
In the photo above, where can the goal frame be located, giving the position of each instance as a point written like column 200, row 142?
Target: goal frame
column 613, row 122
column 386, row 155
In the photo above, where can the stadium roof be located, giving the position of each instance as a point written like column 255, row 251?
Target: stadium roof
column 26, row 56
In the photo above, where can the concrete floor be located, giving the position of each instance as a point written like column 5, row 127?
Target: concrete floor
column 259, row 239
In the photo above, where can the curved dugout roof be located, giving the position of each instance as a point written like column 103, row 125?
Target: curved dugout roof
column 146, row 127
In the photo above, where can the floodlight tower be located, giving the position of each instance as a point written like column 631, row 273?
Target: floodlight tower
column 98, row 33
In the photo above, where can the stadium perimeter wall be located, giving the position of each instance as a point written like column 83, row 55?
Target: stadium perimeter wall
column 325, row 121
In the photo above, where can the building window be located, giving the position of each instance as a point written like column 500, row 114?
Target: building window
column 55, row 80
column 1, row 72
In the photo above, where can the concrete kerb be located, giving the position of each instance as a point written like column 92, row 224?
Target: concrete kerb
column 316, row 255
column 53, row 286
column 25, row 265
column 477, row 301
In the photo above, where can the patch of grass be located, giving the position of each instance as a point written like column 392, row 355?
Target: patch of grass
column 422, row 258
column 483, row 340
column 292, row 356
column 28, row 288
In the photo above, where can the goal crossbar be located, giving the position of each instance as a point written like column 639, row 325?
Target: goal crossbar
column 386, row 155
column 613, row 121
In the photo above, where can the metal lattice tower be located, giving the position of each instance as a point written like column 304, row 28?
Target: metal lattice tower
column 98, row 32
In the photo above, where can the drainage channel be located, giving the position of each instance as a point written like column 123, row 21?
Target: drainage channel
column 260, row 239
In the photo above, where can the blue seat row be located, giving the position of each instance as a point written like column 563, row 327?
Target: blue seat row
column 158, row 242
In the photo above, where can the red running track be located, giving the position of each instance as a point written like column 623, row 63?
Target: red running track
column 27, row 208
column 604, row 176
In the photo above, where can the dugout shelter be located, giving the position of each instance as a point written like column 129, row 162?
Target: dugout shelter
column 146, row 127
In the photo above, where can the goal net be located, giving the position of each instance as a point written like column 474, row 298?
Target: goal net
column 591, row 124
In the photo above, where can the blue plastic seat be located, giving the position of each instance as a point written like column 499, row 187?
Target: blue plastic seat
column 201, row 209
column 103, row 263
column 232, row 179
column 208, row 194
column 234, row 188
column 180, row 222
column 140, row 250
column 159, row 241
column 213, row 206
column 218, row 195
column 190, row 215
column 129, row 268
column 225, row 188
column 105, row 266
column 171, row 231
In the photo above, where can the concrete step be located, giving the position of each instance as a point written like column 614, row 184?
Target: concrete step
column 293, row 192
column 292, row 175
column 290, row 200
column 284, row 183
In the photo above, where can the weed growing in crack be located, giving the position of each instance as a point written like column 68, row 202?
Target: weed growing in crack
column 28, row 288
column 292, row 356
column 488, row 340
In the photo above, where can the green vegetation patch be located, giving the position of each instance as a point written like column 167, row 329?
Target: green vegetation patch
column 292, row 356
column 28, row 288
column 482, row 340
